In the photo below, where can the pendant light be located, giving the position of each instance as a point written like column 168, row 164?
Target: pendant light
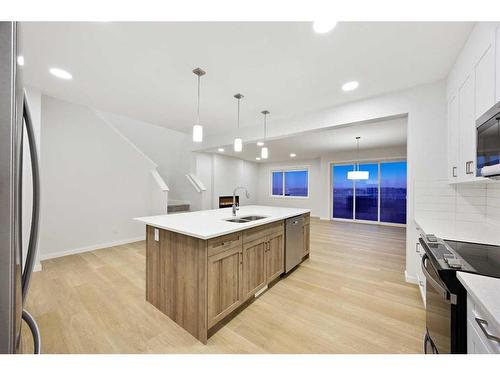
column 197, row 128
column 357, row 174
column 238, row 142
column 264, row 152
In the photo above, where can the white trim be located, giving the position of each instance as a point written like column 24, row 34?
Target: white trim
column 137, row 149
column 37, row 267
column 85, row 249
column 159, row 180
column 410, row 279
column 195, row 182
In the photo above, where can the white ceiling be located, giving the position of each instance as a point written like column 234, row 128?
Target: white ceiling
column 311, row 145
column 143, row 70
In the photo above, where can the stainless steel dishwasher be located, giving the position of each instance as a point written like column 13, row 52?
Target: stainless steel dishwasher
column 294, row 242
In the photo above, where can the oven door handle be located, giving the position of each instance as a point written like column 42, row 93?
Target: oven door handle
column 447, row 295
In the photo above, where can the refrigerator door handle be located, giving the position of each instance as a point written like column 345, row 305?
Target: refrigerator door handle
column 35, row 332
column 33, row 239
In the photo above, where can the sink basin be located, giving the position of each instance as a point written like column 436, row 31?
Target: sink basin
column 252, row 218
column 245, row 219
column 236, row 220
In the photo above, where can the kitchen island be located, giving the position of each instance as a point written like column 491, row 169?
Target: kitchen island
column 201, row 269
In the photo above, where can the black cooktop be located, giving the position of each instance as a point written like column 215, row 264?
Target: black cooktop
column 463, row 256
column 483, row 259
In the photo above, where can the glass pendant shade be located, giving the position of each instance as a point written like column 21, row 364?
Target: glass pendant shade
column 197, row 133
column 264, row 153
column 357, row 175
column 238, row 144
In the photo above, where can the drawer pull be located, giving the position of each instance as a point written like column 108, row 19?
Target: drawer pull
column 468, row 167
column 483, row 324
column 454, row 171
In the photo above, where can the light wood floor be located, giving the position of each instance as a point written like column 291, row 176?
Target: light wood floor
column 349, row 297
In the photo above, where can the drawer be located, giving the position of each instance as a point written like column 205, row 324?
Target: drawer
column 263, row 231
column 223, row 243
column 475, row 311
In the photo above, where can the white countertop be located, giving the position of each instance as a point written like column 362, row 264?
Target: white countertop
column 210, row 223
column 485, row 290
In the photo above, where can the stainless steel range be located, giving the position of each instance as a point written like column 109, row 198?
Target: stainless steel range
column 446, row 298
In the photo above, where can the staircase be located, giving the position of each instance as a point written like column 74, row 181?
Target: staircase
column 176, row 206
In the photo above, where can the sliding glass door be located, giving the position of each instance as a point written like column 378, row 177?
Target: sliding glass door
column 343, row 192
column 380, row 198
column 366, row 194
column 393, row 192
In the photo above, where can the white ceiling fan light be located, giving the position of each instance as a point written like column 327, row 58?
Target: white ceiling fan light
column 324, row 26
column 350, row 86
column 197, row 128
column 357, row 174
column 60, row 73
column 238, row 142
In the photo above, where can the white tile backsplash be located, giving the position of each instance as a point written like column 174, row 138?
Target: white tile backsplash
column 465, row 209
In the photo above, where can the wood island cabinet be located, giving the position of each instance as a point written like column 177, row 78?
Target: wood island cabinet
column 198, row 283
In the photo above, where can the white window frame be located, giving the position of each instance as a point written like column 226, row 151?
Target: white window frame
column 283, row 170
column 367, row 161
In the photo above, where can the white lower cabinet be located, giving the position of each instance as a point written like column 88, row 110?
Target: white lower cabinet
column 483, row 336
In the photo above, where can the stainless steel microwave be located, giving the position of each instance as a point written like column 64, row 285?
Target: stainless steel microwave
column 488, row 143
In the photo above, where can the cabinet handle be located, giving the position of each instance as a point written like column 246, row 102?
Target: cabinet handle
column 468, row 169
column 454, row 171
column 483, row 324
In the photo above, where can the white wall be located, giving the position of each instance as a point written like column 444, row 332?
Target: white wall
column 314, row 201
column 230, row 172
column 93, row 182
column 169, row 149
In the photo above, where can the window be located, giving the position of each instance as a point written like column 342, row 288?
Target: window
column 290, row 183
column 381, row 198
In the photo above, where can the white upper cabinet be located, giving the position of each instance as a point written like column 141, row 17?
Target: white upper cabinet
column 473, row 87
column 497, row 64
column 453, row 138
column 466, row 130
column 484, row 74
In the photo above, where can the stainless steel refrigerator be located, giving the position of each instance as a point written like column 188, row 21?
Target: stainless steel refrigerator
column 14, row 272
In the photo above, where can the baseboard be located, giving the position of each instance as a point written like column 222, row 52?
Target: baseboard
column 410, row 279
column 37, row 267
column 324, row 218
column 90, row 248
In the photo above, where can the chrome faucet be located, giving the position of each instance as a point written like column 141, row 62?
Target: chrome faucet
column 235, row 206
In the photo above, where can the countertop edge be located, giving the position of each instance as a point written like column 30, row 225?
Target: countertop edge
column 250, row 225
column 463, row 276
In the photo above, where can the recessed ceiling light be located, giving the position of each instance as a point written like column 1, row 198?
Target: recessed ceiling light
column 260, row 143
column 60, row 73
column 220, row 149
column 349, row 86
column 292, row 155
column 324, row 26
column 20, row 60
column 257, row 158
